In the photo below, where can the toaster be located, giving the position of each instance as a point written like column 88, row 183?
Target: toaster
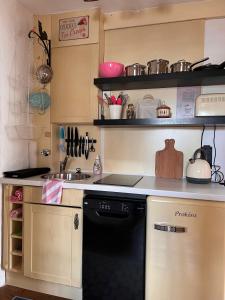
column 210, row 105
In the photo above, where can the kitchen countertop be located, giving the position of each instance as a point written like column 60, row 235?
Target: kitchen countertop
column 148, row 185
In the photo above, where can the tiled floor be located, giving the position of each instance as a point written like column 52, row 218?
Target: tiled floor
column 8, row 292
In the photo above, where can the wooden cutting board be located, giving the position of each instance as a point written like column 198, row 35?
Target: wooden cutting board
column 169, row 161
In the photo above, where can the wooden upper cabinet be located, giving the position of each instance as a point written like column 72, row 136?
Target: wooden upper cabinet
column 73, row 94
column 190, row 264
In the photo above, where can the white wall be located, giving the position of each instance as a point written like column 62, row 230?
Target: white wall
column 15, row 23
column 214, row 48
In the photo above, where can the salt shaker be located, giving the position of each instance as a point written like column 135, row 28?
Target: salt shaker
column 130, row 112
column 97, row 167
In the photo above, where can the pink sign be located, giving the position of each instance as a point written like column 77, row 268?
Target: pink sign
column 74, row 28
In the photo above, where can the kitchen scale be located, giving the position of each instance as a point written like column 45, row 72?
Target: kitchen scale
column 120, row 180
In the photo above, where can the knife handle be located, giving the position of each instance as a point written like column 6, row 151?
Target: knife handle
column 71, row 142
column 68, row 141
column 80, row 147
column 75, row 151
column 83, row 142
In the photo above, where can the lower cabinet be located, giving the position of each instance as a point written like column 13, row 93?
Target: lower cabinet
column 185, row 254
column 53, row 243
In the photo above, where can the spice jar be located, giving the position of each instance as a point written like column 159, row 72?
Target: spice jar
column 163, row 111
column 130, row 111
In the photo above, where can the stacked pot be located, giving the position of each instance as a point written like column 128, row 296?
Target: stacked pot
column 159, row 66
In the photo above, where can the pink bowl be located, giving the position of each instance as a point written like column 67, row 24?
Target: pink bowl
column 111, row 69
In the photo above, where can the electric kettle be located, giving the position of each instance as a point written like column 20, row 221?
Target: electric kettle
column 198, row 169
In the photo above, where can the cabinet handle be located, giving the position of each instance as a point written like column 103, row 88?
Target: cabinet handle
column 169, row 228
column 76, row 221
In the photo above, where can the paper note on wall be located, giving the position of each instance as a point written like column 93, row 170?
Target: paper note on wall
column 186, row 97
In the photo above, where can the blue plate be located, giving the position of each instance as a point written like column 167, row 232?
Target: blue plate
column 40, row 100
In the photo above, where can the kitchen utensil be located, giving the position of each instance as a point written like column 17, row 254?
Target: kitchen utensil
column 163, row 111
column 210, row 105
column 210, row 67
column 86, row 146
column 68, row 141
column 111, row 69
column 83, row 143
column 198, row 169
column 40, row 100
column 71, row 142
column 169, row 161
column 80, row 147
column 92, row 148
column 130, row 111
column 76, row 142
column 146, row 108
column 157, row 66
column 184, row 66
column 135, row 70
column 115, row 111
column 44, row 74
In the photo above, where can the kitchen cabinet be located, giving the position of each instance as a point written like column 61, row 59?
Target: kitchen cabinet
column 74, row 98
column 53, row 243
column 12, row 259
column 185, row 252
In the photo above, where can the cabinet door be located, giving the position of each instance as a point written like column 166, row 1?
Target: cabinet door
column 185, row 265
column 53, row 244
column 74, row 96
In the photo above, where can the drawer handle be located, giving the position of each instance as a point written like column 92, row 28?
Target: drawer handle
column 169, row 228
column 76, row 222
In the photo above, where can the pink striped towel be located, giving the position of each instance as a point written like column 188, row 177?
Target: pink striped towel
column 52, row 191
column 16, row 213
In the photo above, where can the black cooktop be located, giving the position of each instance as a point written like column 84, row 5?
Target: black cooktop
column 120, row 180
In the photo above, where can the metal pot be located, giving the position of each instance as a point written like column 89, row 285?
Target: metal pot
column 157, row 66
column 135, row 70
column 185, row 66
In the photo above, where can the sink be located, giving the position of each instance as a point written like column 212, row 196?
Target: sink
column 66, row 176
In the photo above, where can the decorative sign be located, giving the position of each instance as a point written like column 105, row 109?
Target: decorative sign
column 74, row 28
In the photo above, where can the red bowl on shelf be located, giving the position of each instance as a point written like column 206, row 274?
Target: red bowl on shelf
column 111, row 69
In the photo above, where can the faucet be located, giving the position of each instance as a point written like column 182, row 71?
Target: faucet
column 62, row 166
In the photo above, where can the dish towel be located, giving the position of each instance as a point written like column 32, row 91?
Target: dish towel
column 52, row 191
column 16, row 213
column 17, row 196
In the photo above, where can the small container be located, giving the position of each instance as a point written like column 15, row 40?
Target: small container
column 111, row 69
column 157, row 66
column 135, row 70
column 115, row 111
column 163, row 111
column 97, row 167
column 146, row 108
column 130, row 111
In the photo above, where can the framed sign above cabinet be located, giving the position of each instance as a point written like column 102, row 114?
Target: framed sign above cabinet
column 75, row 28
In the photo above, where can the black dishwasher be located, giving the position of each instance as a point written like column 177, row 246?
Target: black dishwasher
column 114, row 246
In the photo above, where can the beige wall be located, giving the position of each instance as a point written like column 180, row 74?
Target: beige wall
column 133, row 150
column 166, row 13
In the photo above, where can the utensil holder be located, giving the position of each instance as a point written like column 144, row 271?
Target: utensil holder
column 115, row 111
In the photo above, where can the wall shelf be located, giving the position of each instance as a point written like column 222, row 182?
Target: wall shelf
column 180, row 79
column 157, row 122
